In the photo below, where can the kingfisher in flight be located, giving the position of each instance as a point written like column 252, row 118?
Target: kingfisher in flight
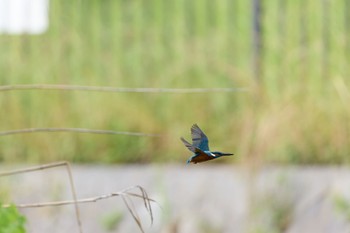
column 200, row 147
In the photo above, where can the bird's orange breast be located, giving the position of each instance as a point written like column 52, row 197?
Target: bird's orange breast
column 202, row 157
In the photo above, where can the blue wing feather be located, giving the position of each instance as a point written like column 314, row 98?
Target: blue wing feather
column 199, row 139
column 188, row 145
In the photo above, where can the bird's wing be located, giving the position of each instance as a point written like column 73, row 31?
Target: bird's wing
column 188, row 145
column 199, row 139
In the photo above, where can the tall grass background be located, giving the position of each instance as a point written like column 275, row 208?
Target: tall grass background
column 297, row 112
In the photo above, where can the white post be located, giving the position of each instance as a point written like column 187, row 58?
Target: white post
column 24, row 16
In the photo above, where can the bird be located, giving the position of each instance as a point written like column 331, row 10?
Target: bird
column 200, row 147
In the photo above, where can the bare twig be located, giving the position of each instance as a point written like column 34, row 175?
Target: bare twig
column 76, row 130
column 116, row 89
column 82, row 201
column 72, row 186
column 46, row 166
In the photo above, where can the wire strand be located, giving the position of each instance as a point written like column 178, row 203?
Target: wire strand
column 116, row 89
column 76, row 130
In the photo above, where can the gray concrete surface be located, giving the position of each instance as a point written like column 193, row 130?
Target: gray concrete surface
column 192, row 199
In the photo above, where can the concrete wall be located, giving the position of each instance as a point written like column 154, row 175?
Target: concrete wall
column 192, row 198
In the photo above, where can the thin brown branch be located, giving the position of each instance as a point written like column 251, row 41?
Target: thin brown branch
column 72, row 186
column 80, row 201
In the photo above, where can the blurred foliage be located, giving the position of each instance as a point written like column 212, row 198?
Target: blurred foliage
column 111, row 221
column 342, row 205
column 272, row 210
column 11, row 221
column 297, row 113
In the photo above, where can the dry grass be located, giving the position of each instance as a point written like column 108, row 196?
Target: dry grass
column 297, row 113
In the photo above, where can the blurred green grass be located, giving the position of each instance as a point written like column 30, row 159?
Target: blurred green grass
column 296, row 114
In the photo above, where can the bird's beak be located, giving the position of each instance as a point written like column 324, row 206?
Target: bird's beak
column 227, row 154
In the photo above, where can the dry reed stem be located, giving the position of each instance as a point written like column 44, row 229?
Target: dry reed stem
column 83, row 200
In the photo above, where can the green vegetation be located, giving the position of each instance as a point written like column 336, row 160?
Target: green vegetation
column 111, row 221
column 11, row 221
column 272, row 210
column 297, row 113
column 342, row 205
